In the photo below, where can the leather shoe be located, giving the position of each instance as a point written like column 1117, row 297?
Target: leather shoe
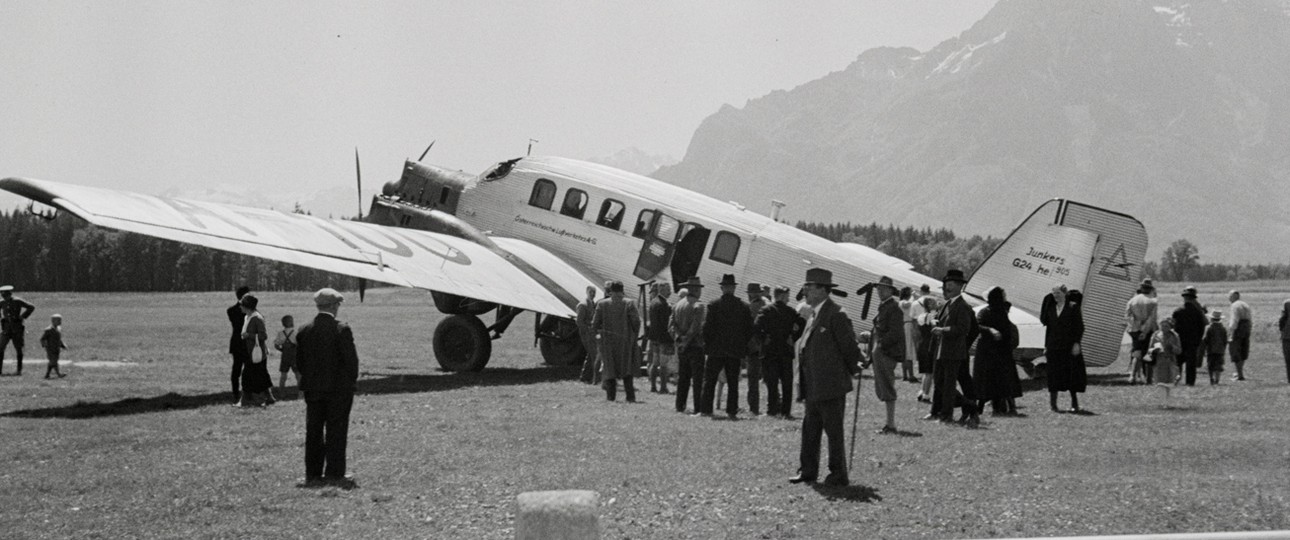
column 801, row 478
column 836, row 480
column 931, row 417
column 887, row 430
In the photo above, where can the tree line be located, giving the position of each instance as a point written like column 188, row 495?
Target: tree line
column 69, row 254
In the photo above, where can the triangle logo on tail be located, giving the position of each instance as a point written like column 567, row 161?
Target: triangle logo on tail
column 1117, row 265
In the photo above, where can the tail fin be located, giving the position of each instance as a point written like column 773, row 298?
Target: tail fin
column 1085, row 247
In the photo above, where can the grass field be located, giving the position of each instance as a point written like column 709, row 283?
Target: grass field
column 146, row 446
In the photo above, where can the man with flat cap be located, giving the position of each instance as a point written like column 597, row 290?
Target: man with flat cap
column 888, row 349
column 686, row 327
column 13, row 312
column 753, row 362
column 778, row 327
column 830, row 356
column 727, row 330
column 955, row 330
column 328, row 364
column 1190, row 321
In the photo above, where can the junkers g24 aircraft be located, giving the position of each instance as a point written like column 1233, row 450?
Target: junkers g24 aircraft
column 532, row 233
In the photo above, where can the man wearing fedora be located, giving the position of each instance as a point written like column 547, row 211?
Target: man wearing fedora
column 753, row 362
column 1190, row 321
column 1140, row 312
column 687, row 331
column 727, row 329
column 616, row 324
column 778, row 327
column 954, row 332
column 328, row 364
column 13, row 312
column 830, row 356
column 888, row 349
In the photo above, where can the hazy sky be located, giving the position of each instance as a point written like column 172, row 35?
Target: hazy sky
column 149, row 95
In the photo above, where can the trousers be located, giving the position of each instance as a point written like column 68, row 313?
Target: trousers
column 824, row 417
column 689, row 376
column 754, row 371
column 779, row 378
column 714, row 367
column 326, row 433
column 947, row 373
column 240, row 359
column 611, row 389
column 1188, row 361
column 12, row 337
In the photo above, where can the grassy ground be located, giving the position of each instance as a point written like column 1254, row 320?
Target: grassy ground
column 150, row 449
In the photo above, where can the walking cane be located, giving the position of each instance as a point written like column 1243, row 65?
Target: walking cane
column 855, row 419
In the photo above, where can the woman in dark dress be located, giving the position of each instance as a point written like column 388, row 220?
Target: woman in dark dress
column 256, row 384
column 995, row 372
column 1061, row 315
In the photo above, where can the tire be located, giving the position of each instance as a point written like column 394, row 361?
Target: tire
column 560, row 343
column 461, row 343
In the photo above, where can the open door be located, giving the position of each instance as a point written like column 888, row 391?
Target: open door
column 688, row 252
column 656, row 252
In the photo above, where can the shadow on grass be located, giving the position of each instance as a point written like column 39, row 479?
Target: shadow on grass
column 368, row 384
column 1100, row 379
column 856, row 493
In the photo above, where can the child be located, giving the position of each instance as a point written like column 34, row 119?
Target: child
column 52, row 341
column 286, row 342
column 1215, row 343
column 1165, row 348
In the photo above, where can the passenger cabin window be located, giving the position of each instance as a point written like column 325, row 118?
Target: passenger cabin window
column 575, row 203
column 643, row 223
column 725, row 248
column 445, row 192
column 611, row 214
column 543, row 194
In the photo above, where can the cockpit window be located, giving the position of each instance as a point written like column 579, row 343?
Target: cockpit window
column 575, row 203
column 543, row 194
column 611, row 214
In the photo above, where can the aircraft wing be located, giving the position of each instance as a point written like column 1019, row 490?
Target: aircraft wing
column 406, row 257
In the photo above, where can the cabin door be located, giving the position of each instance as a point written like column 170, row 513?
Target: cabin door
column 688, row 252
column 657, row 249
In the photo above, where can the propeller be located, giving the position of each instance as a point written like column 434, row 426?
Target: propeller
column 358, row 173
column 423, row 154
column 867, row 291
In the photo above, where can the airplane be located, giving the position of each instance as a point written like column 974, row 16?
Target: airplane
column 532, row 233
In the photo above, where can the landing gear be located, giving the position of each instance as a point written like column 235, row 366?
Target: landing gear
column 462, row 343
column 559, row 342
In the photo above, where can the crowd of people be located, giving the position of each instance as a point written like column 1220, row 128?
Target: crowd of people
column 930, row 338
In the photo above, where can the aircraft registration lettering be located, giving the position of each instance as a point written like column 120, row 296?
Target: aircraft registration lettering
column 558, row 231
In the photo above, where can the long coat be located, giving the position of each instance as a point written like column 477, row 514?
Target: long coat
column 958, row 330
column 889, row 330
column 995, row 372
column 1066, row 371
column 829, row 354
column 326, row 357
column 727, row 327
column 616, row 323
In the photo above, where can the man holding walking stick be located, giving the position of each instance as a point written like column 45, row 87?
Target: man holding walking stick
column 830, row 356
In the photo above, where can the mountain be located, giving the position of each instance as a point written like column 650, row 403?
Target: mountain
column 1175, row 112
column 635, row 160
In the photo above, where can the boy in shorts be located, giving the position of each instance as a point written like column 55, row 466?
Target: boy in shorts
column 286, row 342
column 52, row 341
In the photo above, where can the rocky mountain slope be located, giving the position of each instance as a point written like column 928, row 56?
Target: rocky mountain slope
column 1175, row 112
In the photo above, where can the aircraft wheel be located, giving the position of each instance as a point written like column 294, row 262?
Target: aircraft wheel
column 462, row 343
column 561, row 345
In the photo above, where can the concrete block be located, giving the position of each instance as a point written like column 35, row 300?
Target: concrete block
column 565, row 515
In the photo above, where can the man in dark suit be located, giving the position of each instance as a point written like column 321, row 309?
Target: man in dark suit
column 727, row 330
column 778, row 327
column 1190, row 321
column 328, row 364
column 236, row 346
column 955, row 331
column 830, row 356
